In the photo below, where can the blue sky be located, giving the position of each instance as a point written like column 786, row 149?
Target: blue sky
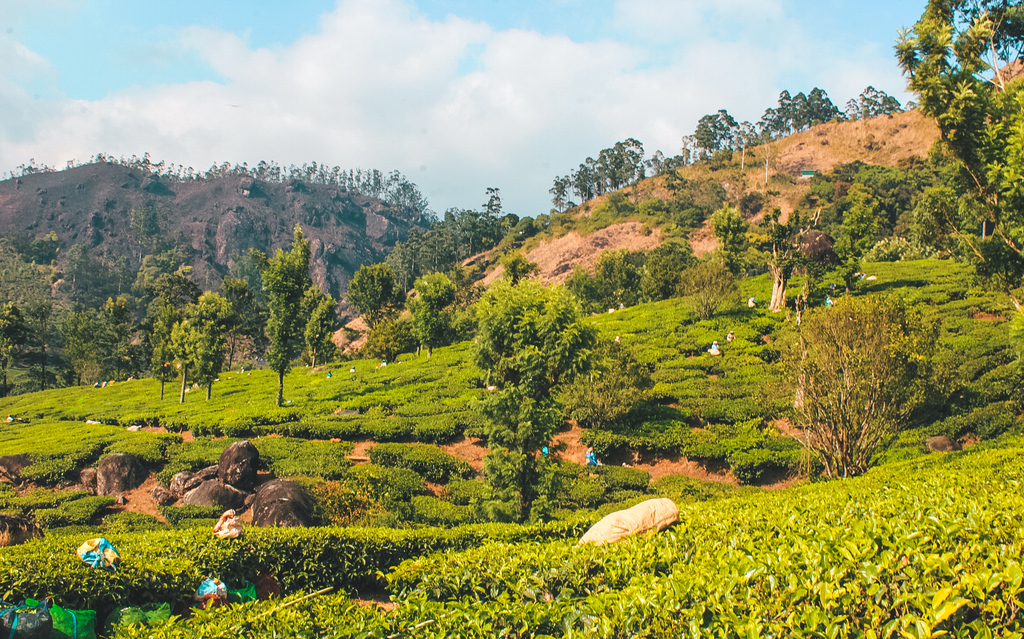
column 459, row 95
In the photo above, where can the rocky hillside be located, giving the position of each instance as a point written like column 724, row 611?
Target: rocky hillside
column 219, row 218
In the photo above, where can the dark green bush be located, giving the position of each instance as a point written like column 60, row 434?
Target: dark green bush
column 622, row 478
column 79, row 512
column 437, row 429
column 177, row 515
column 287, row 457
column 126, row 522
column 429, row 461
column 435, row 512
column 463, row 491
column 387, row 484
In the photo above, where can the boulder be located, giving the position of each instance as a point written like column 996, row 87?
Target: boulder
column 162, row 496
column 87, row 478
column 941, row 444
column 213, row 493
column 119, row 472
column 238, row 464
column 210, row 472
column 11, row 467
column 183, row 482
column 281, row 503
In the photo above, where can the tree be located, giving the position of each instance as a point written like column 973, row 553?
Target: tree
column 730, row 230
column 859, row 369
column 13, row 333
column 81, row 345
column 431, row 313
column 662, row 272
column 248, row 319
column 517, row 267
column 163, row 350
column 530, row 339
column 619, row 383
column 199, row 340
column 285, row 280
column 389, row 339
column 957, row 58
column 114, row 338
column 320, row 309
column 38, row 316
column 708, row 286
column 374, row 291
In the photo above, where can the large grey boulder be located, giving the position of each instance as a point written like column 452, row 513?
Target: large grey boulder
column 183, row 482
column 283, row 504
column 118, row 473
column 238, row 464
column 213, row 493
column 162, row 496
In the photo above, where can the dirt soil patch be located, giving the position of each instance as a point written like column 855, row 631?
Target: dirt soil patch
column 470, row 449
column 140, row 501
column 557, row 257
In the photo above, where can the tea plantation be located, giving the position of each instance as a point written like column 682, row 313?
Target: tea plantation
column 924, row 544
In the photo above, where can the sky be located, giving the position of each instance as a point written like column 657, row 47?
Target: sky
column 458, row 95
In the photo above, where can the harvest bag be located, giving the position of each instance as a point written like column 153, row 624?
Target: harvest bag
column 99, row 553
column 25, row 622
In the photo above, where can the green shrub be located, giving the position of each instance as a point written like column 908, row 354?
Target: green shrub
column 429, row 461
column 435, row 512
column 463, row 491
column 439, row 429
column 287, row 457
column 623, row 478
column 149, row 448
column 79, row 512
column 179, row 514
column 387, row 484
column 126, row 522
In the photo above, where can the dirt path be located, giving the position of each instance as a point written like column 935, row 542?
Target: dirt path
column 140, row 501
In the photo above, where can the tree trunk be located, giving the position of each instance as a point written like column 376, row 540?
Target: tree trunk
column 209, row 390
column 779, row 282
column 42, row 377
column 280, row 387
column 430, row 351
column 184, row 380
column 161, row 389
column 231, row 352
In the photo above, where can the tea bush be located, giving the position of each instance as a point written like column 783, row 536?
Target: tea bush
column 435, row 512
column 429, row 461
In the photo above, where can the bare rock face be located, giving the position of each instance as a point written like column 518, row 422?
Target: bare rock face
column 87, row 478
column 283, row 504
column 183, row 482
column 941, row 444
column 117, row 473
column 238, row 464
column 162, row 496
column 11, row 467
column 213, row 493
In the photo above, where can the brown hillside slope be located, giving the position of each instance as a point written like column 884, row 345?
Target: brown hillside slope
column 884, row 140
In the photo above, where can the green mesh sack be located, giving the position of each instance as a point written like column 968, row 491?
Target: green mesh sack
column 244, row 594
column 70, row 624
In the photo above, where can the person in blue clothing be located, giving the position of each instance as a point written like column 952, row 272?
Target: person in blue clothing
column 828, row 301
column 592, row 458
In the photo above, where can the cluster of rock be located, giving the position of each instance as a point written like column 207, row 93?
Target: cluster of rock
column 229, row 484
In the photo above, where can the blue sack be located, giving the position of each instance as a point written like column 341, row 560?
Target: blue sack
column 99, row 553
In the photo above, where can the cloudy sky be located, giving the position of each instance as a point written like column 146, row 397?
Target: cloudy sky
column 459, row 95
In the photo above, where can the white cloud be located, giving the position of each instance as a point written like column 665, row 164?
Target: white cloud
column 379, row 85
